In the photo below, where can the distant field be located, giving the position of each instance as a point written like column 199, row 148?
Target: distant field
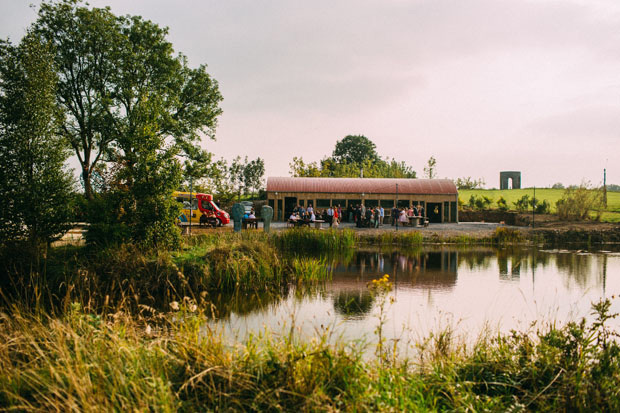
column 551, row 195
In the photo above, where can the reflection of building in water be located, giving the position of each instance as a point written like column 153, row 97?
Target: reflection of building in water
column 434, row 269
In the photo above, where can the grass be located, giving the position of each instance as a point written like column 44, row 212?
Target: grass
column 173, row 362
column 551, row 195
column 309, row 240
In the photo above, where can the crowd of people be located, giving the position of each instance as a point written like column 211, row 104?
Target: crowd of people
column 362, row 216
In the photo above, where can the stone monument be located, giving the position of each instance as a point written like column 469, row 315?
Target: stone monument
column 237, row 214
column 266, row 212
column 515, row 176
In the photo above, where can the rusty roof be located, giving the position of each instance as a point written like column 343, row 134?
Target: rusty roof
column 362, row 185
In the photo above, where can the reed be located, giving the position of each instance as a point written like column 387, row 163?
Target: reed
column 310, row 270
column 175, row 362
column 403, row 238
column 313, row 240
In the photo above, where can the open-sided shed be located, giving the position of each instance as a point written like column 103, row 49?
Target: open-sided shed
column 439, row 197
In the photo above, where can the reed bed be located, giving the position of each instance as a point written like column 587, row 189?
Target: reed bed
column 311, row 240
column 310, row 270
column 174, row 362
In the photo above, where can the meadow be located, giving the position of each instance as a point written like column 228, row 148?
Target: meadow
column 612, row 214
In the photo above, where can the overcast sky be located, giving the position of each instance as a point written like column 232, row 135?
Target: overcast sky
column 482, row 85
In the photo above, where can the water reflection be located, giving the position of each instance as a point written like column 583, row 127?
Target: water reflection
column 476, row 287
column 223, row 305
column 423, row 269
column 353, row 304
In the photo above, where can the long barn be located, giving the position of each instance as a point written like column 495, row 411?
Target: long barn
column 439, row 197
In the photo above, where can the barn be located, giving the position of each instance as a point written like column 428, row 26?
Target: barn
column 439, row 197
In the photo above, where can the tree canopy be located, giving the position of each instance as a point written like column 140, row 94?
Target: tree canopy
column 355, row 149
column 353, row 156
column 115, row 72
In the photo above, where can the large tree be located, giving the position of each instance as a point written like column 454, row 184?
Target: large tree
column 36, row 190
column 110, row 68
column 355, row 149
column 353, row 156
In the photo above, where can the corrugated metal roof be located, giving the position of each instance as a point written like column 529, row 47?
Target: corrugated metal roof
column 361, row 185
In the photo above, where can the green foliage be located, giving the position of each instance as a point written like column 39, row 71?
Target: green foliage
column 469, row 183
column 311, row 240
column 522, row 204
column 541, row 207
column 35, row 205
column 154, row 362
column 227, row 182
column 350, row 161
column 430, row 170
column 578, row 203
column 133, row 103
column 505, row 235
column 355, row 149
column 479, row 202
column 502, row 205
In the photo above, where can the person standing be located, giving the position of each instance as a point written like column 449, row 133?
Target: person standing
column 330, row 216
column 381, row 215
column 394, row 215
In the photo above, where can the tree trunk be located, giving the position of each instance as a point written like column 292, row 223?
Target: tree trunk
column 88, row 188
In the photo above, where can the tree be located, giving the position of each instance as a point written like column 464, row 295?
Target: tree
column 355, row 149
column 36, row 191
column 253, row 173
column 113, row 71
column 351, row 156
column 133, row 103
column 84, row 41
column 469, row 183
column 430, row 169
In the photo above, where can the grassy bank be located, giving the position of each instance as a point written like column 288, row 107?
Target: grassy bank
column 115, row 362
column 551, row 195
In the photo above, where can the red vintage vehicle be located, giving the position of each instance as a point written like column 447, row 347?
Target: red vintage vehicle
column 203, row 208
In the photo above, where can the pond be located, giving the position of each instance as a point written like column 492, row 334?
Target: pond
column 469, row 290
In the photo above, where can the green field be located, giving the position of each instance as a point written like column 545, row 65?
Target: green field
column 551, row 195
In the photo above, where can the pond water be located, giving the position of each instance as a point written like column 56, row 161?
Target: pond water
column 467, row 289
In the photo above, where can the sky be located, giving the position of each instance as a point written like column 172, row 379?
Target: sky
column 482, row 85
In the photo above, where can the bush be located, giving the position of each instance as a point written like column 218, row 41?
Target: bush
column 522, row 204
column 502, row 205
column 541, row 207
column 577, row 203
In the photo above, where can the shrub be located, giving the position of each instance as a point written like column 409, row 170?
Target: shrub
column 522, row 204
column 502, row 205
column 577, row 203
column 541, row 207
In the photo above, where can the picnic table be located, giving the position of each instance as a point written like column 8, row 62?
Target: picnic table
column 251, row 222
column 416, row 220
column 305, row 222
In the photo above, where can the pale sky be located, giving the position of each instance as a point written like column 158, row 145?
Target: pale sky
column 482, row 85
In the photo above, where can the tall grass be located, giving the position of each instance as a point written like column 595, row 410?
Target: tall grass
column 309, row 269
column 312, row 240
column 175, row 362
column 403, row 238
